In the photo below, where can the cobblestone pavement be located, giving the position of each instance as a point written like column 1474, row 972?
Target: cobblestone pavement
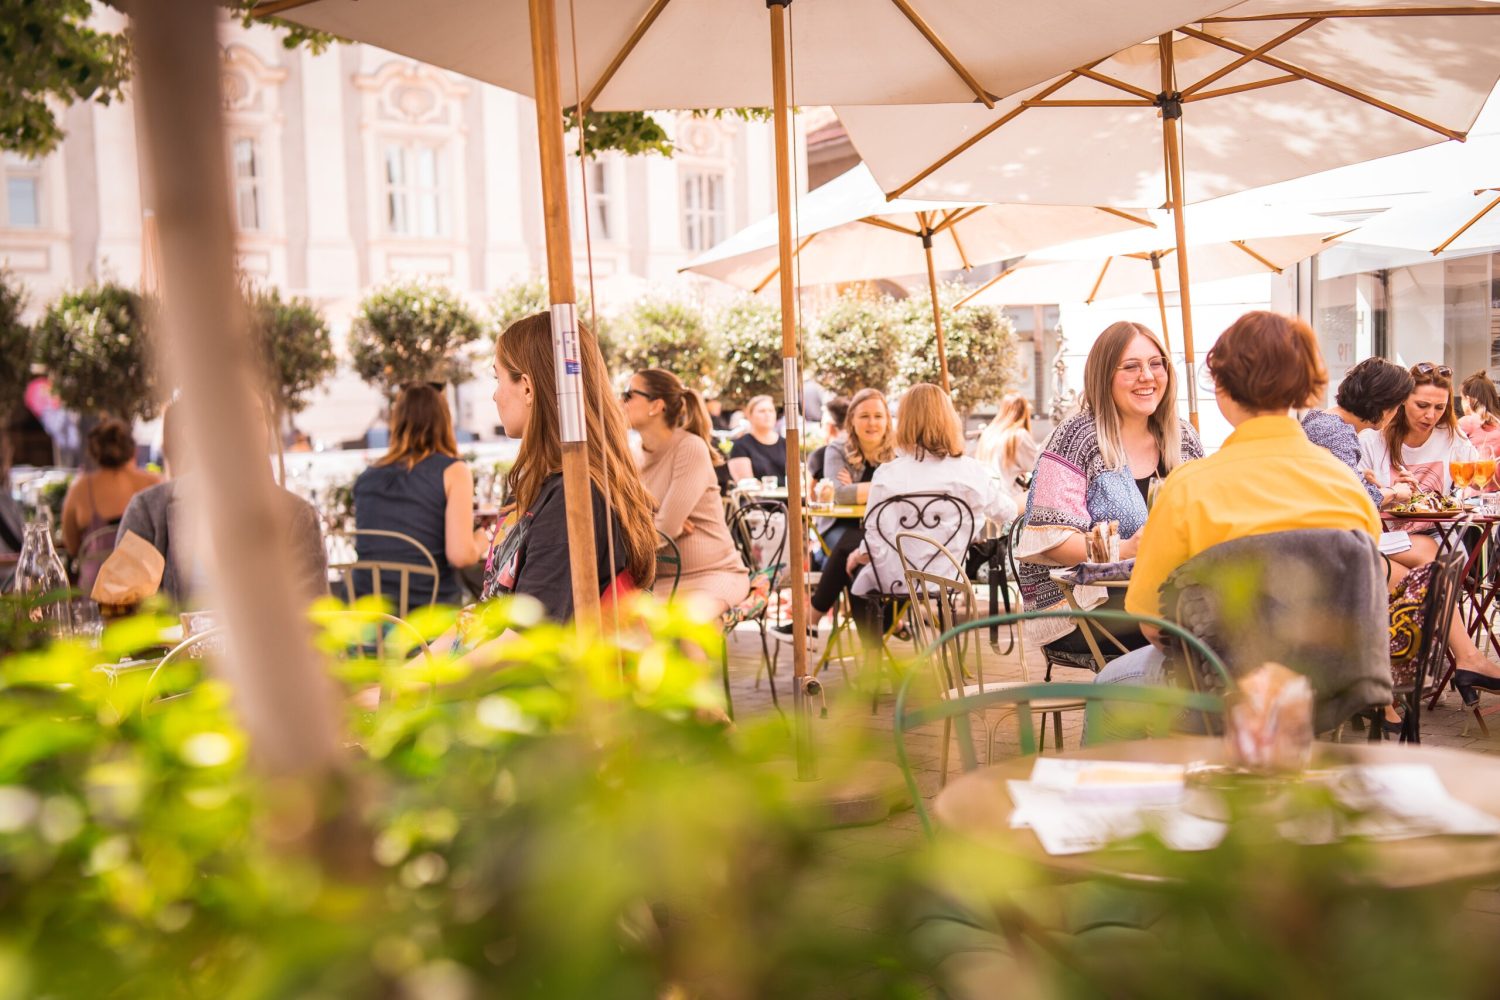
column 850, row 715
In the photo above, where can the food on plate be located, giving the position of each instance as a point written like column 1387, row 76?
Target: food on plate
column 1424, row 502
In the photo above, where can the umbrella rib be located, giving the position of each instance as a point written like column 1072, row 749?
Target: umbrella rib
column 1219, row 74
column 1126, row 215
column 1465, row 228
column 947, row 54
column 875, row 220
column 1090, row 104
column 1323, row 81
column 1117, row 84
column 1098, row 281
column 1356, row 12
column 983, row 133
column 957, row 243
column 988, row 284
column 953, row 216
column 265, row 10
column 1263, row 262
column 644, row 25
column 1240, row 88
column 776, row 270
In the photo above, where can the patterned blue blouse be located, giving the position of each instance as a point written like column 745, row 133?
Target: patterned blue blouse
column 1328, row 431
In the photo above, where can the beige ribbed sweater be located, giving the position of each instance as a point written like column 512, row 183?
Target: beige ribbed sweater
column 681, row 478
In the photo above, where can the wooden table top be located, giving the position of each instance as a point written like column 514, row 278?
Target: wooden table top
column 977, row 806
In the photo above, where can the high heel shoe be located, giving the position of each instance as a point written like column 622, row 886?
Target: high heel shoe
column 1468, row 680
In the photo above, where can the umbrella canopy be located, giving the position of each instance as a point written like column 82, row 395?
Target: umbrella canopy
column 642, row 54
column 850, row 232
column 1268, row 90
column 1225, row 242
column 1463, row 221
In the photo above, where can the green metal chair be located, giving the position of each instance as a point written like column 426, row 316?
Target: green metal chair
column 1167, row 701
column 668, row 560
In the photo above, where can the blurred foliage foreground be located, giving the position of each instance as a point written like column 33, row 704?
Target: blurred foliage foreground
column 584, row 824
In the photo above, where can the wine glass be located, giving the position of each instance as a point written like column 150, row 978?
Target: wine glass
column 1484, row 469
column 1461, row 472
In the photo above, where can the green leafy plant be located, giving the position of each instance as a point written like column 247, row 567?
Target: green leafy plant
column 981, row 348
column 50, row 58
column 750, row 352
column 94, row 346
column 529, row 295
column 637, row 133
column 16, row 343
column 412, row 331
column 670, row 334
column 857, row 343
column 297, row 343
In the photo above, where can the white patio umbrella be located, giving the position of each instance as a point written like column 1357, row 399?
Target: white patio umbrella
column 1464, row 220
column 851, row 232
column 644, row 54
column 1225, row 241
column 1261, row 92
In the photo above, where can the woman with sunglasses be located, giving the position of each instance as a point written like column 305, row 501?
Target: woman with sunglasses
column 1422, row 438
column 1099, row 465
column 677, row 468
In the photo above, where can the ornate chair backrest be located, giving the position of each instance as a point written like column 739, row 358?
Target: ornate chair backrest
column 668, row 560
column 940, row 602
column 343, row 559
column 940, row 521
column 760, row 530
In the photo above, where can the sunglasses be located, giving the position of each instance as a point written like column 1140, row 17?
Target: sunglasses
column 1427, row 368
column 626, row 394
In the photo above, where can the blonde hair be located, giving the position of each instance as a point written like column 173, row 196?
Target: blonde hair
column 525, row 348
column 885, row 450
column 929, row 424
column 1099, row 399
column 1001, row 439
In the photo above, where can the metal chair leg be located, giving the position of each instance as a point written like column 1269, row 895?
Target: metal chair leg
column 943, row 759
column 728, row 698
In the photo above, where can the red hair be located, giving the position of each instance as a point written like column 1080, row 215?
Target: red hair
column 1267, row 361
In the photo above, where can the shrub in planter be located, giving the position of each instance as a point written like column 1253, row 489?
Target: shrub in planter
column 412, row 331
column 298, row 346
column 93, row 344
column 670, row 334
column 856, row 344
column 750, row 357
column 529, row 295
column 981, row 343
column 16, row 343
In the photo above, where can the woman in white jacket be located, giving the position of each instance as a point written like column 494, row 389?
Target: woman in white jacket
column 929, row 459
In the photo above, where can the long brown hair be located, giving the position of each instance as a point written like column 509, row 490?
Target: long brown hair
column 525, row 348
column 1395, row 432
column 681, row 406
column 420, row 426
column 1481, row 390
column 929, row 424
column 1099, row 399
column 1013, row 414
column 885, row 450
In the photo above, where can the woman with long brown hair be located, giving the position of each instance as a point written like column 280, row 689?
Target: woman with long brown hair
column 1481, row 419
column 532, row 557
column 1007, row 445
column 419, row 488
column 1423, row 436
column 1099, row 465
column 678, row 470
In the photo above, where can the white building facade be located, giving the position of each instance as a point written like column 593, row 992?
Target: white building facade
column 356, row 166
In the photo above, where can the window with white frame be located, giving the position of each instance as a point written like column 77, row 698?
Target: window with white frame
column 600, row 200
column 249, row 184
column 705, row 216
column 415, row 199
column 23, row 193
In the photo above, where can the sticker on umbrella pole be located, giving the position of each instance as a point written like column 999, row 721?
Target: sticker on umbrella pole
column 567, row 358
column 793, row 392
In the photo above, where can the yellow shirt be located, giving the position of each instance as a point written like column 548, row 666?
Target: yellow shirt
column 1268, row 477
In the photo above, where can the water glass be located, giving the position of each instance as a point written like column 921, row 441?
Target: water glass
column 769, row 483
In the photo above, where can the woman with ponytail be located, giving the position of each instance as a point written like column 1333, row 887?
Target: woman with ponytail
column 678, row 470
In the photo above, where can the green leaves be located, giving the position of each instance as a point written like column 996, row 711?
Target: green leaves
column 750, row 360
column 981, row 347
column 94, row 346
column 671, row 334
column 16, row 342
column 857, row 344
column 296, row 342
column 412, row 331
column 50, row 58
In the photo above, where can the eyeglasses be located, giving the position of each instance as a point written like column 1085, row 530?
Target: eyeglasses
column 626, row 394
column 1427, row 368
column 1157, row 366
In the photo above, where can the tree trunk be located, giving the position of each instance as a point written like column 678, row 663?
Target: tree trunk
column 282, row 692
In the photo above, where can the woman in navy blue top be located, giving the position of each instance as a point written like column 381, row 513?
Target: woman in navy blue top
column 419, row 488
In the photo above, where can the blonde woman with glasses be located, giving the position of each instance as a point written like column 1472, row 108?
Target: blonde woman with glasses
column 1099, row 465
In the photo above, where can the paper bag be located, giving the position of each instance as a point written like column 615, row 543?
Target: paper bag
column 131, row 574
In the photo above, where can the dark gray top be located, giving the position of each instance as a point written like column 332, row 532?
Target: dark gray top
column 413, row 502
column 154, row 515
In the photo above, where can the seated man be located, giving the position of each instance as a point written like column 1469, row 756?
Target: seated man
column 155, row 514
column 1266, row 478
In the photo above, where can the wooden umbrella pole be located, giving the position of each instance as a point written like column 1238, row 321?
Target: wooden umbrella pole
column 1161, row 304
column 1171, row 111
column 577, row 492
column 796, row 533
column 937, row 307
